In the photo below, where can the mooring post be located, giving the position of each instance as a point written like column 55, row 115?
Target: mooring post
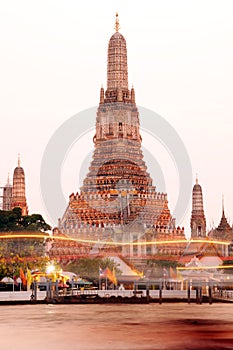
column 47, row 289
column 72, row 286
column 200, row 294
column 147, row 293
column 56, row 288
column 210, row 293
column 50, row 289
column 189, row 292
column 35, row 290
column 197, row 295
column 160, row 293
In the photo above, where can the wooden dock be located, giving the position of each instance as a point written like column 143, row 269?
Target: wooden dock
column 140, row 294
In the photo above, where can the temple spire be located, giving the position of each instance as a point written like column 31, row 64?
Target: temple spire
column 7, row 195
column 18, row 189
column 223, row 213
column 198, row 221
column 117, row 25
column 117, row 71
column 223, row 225
column 8, row 178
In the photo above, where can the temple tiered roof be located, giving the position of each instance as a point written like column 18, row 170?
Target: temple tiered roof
column 118, row 197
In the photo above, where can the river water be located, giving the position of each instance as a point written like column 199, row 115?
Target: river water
column 151, row 326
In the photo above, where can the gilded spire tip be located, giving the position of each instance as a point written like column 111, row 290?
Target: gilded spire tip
column 117, row 25
column 223, row 205
column 196, row 179
column 19, row 160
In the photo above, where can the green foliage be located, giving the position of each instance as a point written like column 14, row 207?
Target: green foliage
column 163, row 263
column 89, row 267
column 157, row 267
column 10, row 266
column 16, row 253
column 227, row 262
column 35, row 222
column 12, row 220
column 23, row 247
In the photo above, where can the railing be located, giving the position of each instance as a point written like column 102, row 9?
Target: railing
column 223, row 294
column 151, row 290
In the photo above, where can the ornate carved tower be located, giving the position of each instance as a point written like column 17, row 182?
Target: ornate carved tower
column 7, row 195
column 18, row 190
column 198, row 221
column 117, row 194
column 223, row 225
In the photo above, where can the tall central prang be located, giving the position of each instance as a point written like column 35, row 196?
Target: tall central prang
column 118, row 201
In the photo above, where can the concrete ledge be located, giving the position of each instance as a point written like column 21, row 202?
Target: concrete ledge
column 21, row 296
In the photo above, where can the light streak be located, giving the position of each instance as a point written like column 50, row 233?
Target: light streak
column 16, row 235
column 112, row 243
column 208, row 241
column 205, row 267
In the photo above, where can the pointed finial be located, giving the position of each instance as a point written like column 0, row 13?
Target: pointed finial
column 18, row 159
column 196, row 179
column 8, row 178
column 223, row 214
column 117, row 25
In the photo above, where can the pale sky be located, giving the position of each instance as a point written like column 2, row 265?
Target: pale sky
column 180, row 62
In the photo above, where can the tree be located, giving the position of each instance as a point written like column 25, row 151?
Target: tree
column 89, row 267
column 11, row 265
column 35, row 222
column 28, row 247
column 12, row 220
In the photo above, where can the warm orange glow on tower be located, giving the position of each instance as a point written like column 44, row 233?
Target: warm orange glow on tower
column 18, row 190
column 198, row 221
column 118, row 201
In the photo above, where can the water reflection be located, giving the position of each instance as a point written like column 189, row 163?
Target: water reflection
column 153, row 326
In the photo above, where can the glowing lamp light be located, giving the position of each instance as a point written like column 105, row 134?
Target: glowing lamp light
column 50, row 269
